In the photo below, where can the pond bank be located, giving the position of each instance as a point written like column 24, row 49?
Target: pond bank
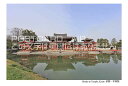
column 15, row 71
column 63, row 53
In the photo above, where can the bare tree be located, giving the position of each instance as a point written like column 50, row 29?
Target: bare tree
column 113, row 42
column 16, row 31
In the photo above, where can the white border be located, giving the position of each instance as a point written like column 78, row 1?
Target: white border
column 60, row 82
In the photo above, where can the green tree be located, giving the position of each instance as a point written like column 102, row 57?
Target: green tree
column 103, row 43
column 17, row 32
column 9, row 42
column 23, row 32
column 119, row 44
column 30, row 33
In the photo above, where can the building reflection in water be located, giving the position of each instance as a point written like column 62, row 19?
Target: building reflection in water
column 63, row 63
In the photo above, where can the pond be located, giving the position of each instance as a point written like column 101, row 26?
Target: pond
column 75, row 67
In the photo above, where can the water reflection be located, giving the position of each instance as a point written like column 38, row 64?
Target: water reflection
column 59, row 64
column 79, row 66
column 63, row 63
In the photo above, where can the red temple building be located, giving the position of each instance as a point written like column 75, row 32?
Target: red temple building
column 60, row 42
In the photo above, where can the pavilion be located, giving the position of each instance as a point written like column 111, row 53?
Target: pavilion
column 61, row 42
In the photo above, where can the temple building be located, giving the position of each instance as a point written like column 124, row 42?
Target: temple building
column 61, row 42
column 60, row 38
column 90, row 43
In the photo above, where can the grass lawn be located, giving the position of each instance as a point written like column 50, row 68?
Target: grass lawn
column 15, row 71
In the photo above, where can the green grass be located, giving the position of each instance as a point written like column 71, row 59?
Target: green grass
column 15, row 71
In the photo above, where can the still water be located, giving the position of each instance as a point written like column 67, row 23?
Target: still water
column 76, row 67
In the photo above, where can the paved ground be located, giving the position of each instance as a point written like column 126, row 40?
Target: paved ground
column 62, row 53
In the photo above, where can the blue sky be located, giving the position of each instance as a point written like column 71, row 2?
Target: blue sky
column 87, row 20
